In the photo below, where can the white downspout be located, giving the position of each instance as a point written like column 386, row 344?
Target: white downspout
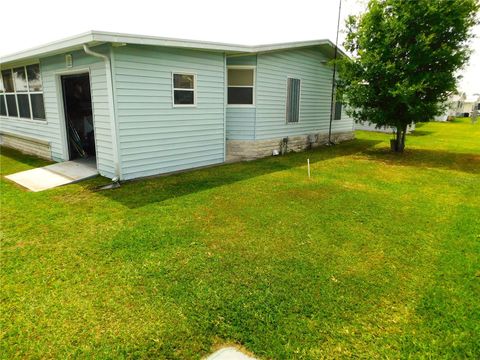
column 111, row 106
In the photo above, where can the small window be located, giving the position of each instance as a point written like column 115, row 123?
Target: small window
column 337, row 115
column 293, row 100
column 183, row 89
column 241, row 86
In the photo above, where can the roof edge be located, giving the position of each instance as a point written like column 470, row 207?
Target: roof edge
column 98, row 37
column 65, row 43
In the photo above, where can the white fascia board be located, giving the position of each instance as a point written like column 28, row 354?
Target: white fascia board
column 92, row 38
column 66, row 44
column 294, row 45
column 282, row 46
column 103, row 36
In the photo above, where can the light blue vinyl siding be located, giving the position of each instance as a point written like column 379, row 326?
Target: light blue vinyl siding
column 242, row 60
column 154, row 136
column 51, row 130
column 241, row 120
column 240, row 123
column 306, row 64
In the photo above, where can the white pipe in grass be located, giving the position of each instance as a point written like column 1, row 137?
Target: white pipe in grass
column 308, row 166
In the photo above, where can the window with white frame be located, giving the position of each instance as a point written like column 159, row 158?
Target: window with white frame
column 241, row 85
column 184, row 89
column 293, row 100
column 21, row 93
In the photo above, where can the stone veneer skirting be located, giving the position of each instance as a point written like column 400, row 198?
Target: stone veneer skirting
column 26, row 145
column 254, row 149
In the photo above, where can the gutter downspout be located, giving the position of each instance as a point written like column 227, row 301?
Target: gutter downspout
column 111, row 106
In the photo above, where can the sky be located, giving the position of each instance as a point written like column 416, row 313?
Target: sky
column 248, row 22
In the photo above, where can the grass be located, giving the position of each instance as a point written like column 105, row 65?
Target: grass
column 376, row 256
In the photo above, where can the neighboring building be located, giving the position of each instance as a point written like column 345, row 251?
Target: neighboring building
column 454, row 107
column 366, row 126
column 147, row 105
column 469, row 104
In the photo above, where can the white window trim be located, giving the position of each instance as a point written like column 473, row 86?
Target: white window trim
column 299, row 100
column 183, row 89
column 254, row 86
column 28, row 92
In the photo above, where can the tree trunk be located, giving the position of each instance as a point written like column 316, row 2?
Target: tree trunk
column 399, row 144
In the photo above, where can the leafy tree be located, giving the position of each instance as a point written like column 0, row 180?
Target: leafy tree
column 405, row 55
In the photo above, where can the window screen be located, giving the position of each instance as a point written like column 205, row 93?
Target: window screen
column 23, row 106
column 7, row 80
column 338, row 111
column 3, row 107
column 241, row 84
column 20, row 78
column 11, row 105
column 293, row 100
column 34, row 81
column 38, row 109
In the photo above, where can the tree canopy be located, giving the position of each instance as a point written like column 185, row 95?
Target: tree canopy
column 405, row 57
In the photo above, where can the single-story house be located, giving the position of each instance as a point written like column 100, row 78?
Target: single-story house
column 453, row 107
column 144, row 105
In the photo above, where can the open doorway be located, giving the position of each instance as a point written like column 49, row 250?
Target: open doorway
column 77, row 103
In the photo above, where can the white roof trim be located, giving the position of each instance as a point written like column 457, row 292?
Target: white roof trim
column 98, row 37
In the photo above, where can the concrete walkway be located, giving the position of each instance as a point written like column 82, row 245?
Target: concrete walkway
column 54, row 175
column 228, row 353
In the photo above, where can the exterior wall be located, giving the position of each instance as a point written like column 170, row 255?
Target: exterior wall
column 51, row 130
column 240, row 120
column 268, row 117
column 240, row 123
column 27, row 145
column 253, row 149
column 154, row 136
column 306, row 64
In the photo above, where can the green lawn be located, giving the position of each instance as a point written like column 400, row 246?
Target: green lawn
column 377, row 255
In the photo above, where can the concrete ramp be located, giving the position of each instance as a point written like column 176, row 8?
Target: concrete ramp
column 54, row 175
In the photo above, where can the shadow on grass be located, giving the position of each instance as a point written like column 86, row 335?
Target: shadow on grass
column 11, row 158
column 425, row 158
column 421, row 133
column 142, row 192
